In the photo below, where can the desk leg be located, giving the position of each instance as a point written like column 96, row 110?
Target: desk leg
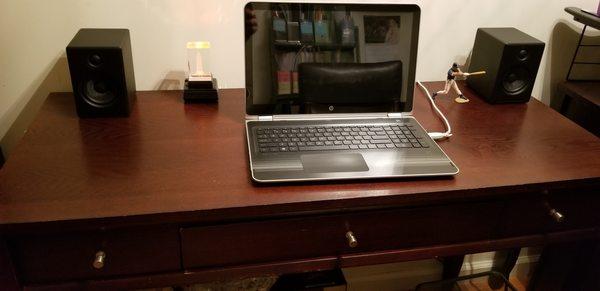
column 452, row 266
column 504, row 262
column 8, row 277
column 568, row 266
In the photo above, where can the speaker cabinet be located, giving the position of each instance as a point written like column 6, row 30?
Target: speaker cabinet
column 101, row 69
column 510, row 58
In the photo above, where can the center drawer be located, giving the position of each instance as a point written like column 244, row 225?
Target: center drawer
column 297, row 238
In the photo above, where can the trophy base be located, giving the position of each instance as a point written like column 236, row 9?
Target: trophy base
column 204, row 91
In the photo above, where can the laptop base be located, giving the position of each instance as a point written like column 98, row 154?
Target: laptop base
column 337, row 161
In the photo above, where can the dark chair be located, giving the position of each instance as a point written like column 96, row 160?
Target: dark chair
column 1, row 158
column 350, row 87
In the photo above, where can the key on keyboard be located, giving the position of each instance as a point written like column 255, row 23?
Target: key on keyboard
column 336, row 137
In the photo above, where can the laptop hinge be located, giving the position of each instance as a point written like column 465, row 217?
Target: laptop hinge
column 265, row 118
column 395, row 115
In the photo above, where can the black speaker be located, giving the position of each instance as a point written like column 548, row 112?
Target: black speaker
column 101, row 69
column 510, row 58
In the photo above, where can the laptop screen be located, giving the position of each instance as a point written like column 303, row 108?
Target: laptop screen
column 283, row 38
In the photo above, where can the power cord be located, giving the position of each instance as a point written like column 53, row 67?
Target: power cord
column 437, row 135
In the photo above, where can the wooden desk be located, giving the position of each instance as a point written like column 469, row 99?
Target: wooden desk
column 166, row 194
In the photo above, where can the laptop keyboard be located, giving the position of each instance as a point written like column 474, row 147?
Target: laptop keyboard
column 337, row 138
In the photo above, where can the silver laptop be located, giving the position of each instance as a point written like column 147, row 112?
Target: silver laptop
column 329, row 93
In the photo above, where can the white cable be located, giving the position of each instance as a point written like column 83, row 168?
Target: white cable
column 437, row 135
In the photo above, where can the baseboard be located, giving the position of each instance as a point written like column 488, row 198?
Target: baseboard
column 392, row 277
column 485, row 264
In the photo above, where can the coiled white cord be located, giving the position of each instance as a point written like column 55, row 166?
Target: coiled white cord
column 437, row 135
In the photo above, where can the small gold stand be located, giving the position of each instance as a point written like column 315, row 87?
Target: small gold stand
column 461, row 100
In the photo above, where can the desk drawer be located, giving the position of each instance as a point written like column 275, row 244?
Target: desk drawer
column 298, row 238
column 525, row 216
column 532, row 215
column 71, row 256
column 580, row 209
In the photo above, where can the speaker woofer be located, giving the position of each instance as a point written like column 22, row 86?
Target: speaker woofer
column 515, row 81
column 97, row 93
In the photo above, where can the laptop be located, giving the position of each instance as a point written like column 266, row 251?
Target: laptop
column 297, row 131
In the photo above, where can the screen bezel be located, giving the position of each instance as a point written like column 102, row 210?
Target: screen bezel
column 269, row 109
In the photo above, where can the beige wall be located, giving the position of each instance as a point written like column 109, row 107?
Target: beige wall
column 34, row 33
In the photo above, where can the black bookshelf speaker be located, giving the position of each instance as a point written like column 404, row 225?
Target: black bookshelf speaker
column 101, row 67
column 511, row 60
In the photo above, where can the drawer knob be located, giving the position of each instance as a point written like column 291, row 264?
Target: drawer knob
column 352, row 242
column 99, row 260
column 557, row 216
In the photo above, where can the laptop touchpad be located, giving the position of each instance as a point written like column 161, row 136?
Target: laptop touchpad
column 327, row 163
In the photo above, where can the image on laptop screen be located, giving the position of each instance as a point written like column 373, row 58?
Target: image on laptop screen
column 282, row 36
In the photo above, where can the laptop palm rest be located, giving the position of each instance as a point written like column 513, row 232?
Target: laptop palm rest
column 334, row 162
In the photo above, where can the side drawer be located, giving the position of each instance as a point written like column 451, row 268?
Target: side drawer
column 579, row 209
column 59, row 257
column 543, row 213
column 298, row 238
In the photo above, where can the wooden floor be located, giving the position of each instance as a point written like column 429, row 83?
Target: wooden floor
column 481, row 284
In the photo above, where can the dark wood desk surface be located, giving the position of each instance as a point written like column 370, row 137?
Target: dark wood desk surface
column 166, row 194
column 176, row 162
